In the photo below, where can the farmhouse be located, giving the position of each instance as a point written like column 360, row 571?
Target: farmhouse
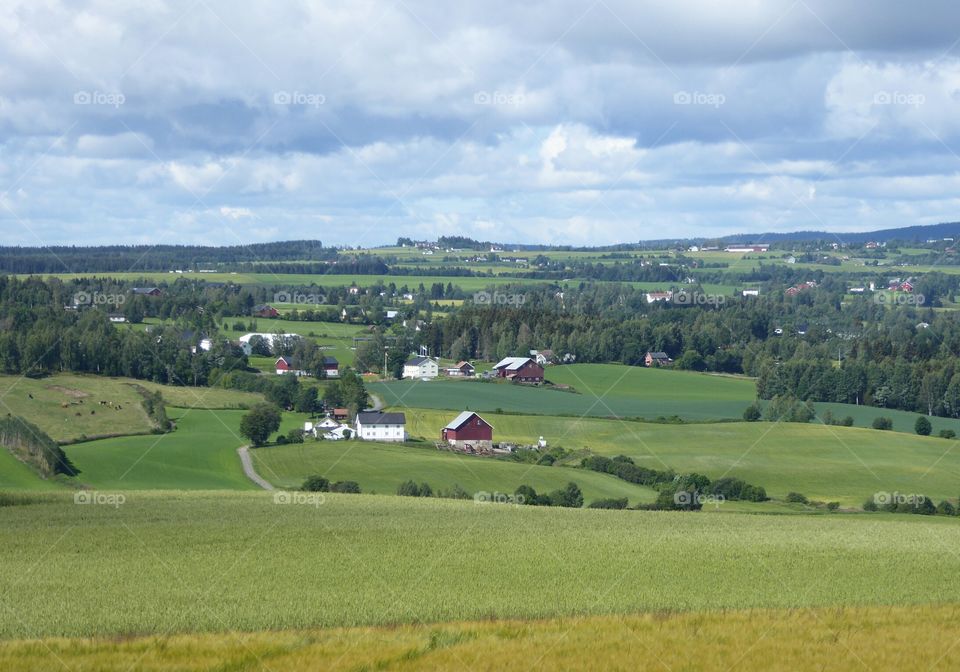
column 421, row 367
column 544, row 357
column 468, row 429
column 147, row 291
column 331, row 367
column 378, row 426
column 461, row 370
column 340, row 414
column 751, row 292
column 116, row 317
column 519, row 370
column 657, row 359
column 289, row 365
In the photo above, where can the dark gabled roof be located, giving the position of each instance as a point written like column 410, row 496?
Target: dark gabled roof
column 330, row 361
column 380, row 418
column 417, row 361
column 658, row 355
column 145, row 290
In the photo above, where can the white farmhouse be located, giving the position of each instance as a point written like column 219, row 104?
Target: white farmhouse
column 378, row 426
column 421, row 367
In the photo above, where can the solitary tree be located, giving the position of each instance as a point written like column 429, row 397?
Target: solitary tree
column 260, row 422
column 922, row 426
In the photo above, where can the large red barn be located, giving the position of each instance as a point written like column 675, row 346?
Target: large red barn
column 468, row 429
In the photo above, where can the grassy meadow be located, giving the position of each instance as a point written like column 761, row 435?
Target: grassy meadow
column 601, row 390
column 381, row 468
column 199, row 454
column 826, row 463
column 175, row 562
column 67, row 406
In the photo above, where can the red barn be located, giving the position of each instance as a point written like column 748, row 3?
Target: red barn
column 468, row 429
column 519, row 370
column 265, row 311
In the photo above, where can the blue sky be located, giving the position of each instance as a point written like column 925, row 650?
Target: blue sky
column 553, row 122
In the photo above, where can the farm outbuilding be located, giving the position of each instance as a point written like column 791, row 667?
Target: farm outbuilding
column 468, row 429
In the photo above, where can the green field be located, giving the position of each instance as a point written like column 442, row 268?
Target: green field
column 825, row 463
column 199, row 454
column 381, row 468
column 602, row 390
column 178, row 562
column 15, row 475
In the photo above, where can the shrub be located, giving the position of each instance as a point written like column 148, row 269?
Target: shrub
column 945, row 508
column 922, row 426
column 408, row 489
column 752, row 413
column 316, row 484
column 426, row 490
column 870, row 505
column 797, row 498
column 847, row 421
column 882, row 423
column 456, row 492
column 609, row 503
column 281, row 440
column 295, row 436
column 349, row 487
column 569, row 496
column 827, row 417
column 833, row 506
column 947, row 434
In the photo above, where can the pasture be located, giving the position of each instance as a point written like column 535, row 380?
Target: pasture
column 825, row 463
column 67, row 406
column 602, row 390
column 175, row 562
column 380, row 468
column 199, row 454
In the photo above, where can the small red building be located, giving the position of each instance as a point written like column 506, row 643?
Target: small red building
column 265, row 311
column 468, row 429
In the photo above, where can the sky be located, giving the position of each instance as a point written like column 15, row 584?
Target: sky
column 357, row 122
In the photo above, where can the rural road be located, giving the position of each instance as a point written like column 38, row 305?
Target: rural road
column 244, row 453
column 377, row 402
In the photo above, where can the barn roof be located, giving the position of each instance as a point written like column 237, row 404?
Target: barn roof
column 511, row 363
column 462, row 419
